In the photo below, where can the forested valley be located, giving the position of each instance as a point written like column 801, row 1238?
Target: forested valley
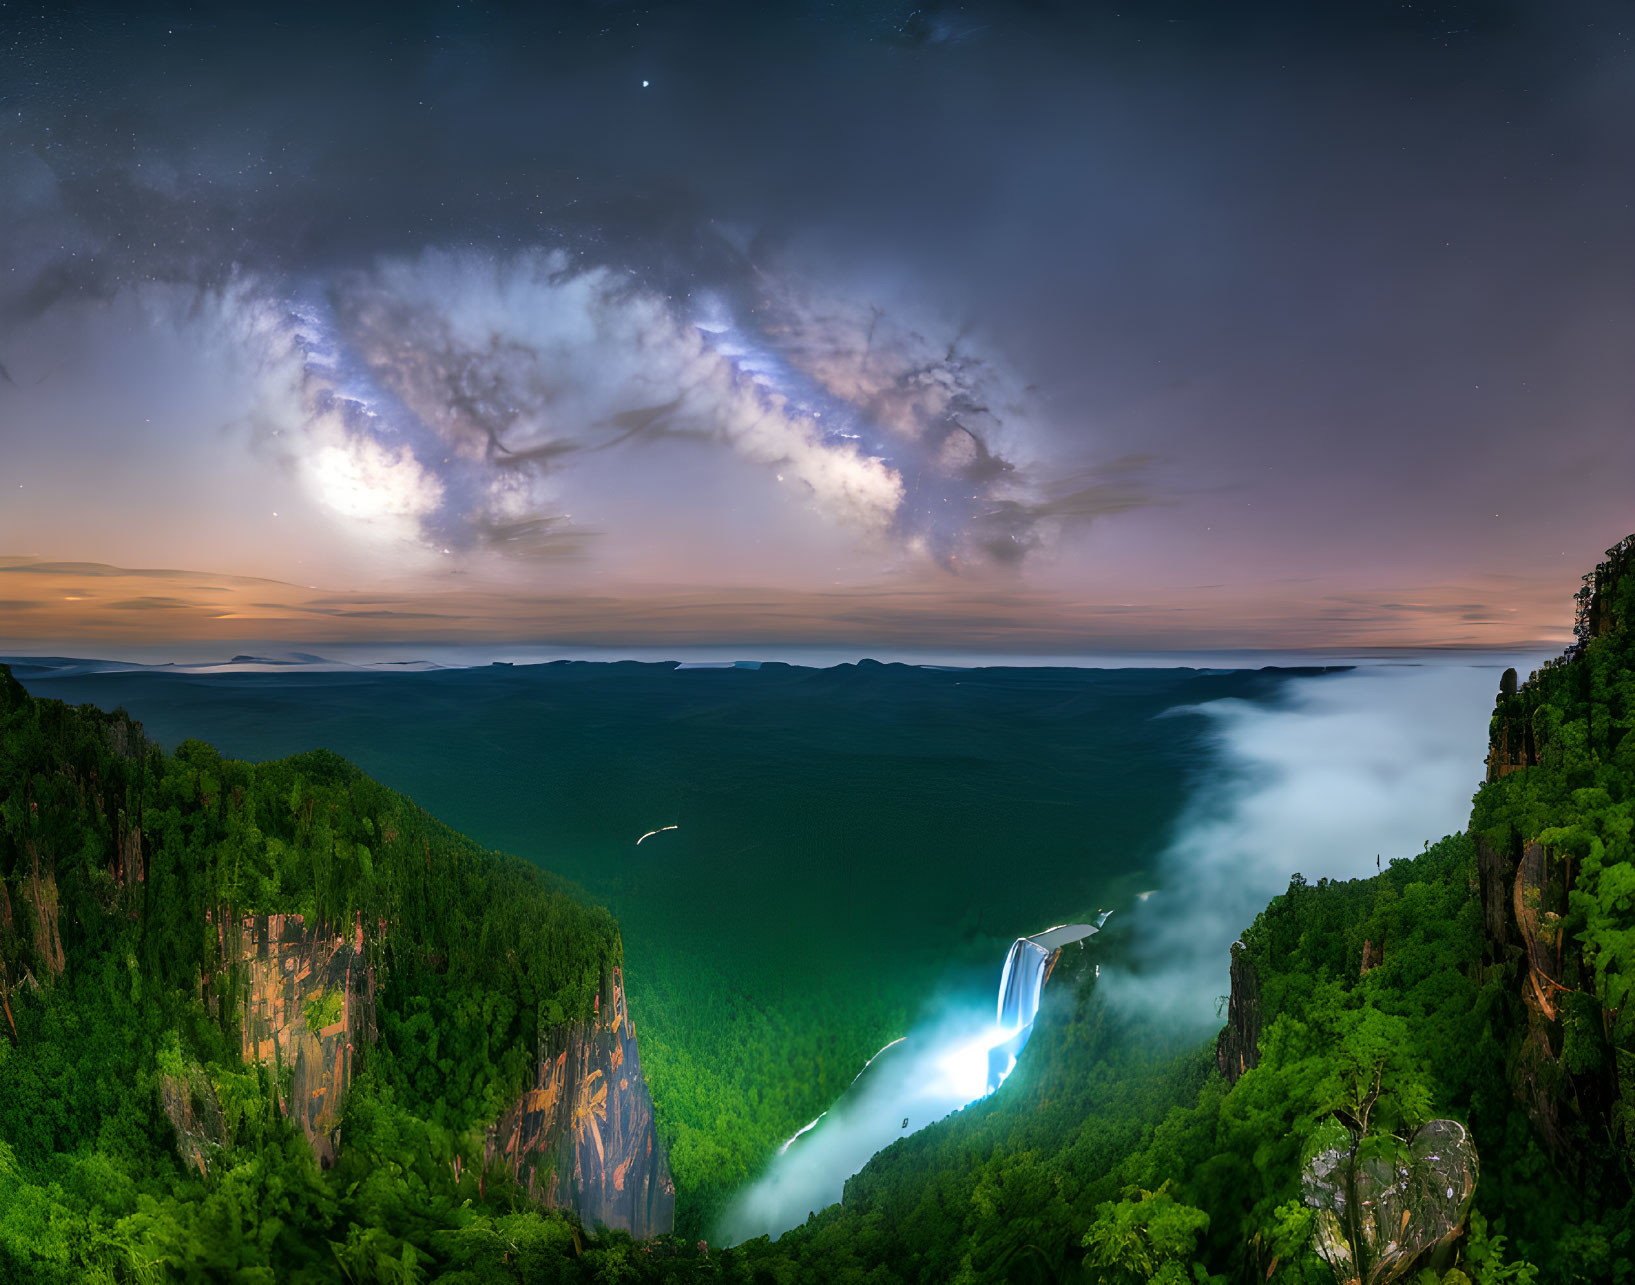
column 1482, row 983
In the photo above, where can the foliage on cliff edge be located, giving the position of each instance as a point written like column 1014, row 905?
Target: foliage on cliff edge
column 1110, row 1156
column 1471, row 983
column 118, row 864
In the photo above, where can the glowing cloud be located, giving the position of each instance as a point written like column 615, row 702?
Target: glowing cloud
column 360, row 478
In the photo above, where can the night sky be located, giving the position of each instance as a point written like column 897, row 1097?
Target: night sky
column 1045, row 326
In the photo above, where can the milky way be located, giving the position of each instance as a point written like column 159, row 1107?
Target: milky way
column 456, row 391
column 1234, row 325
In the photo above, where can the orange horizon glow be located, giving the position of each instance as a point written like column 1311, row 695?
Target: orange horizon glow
column 98, row 604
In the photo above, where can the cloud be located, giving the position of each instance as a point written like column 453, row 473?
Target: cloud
column 514, row 364
column 463, row 392
column 1010, row 528
column 152, row 602
column 980, row 612
column 359, row 477
column 456, row 399
column 897, row 220
column 937, row 401
column 1343, row 769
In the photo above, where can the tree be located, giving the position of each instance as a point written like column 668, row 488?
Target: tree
column 1146, row 1236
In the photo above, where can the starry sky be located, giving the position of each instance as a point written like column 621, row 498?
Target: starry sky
column 1036, row 326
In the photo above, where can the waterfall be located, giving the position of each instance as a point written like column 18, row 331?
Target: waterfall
column 1020, row 984
column 946, row 1062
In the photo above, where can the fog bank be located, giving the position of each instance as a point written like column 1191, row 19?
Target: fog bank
column 1344, row 771
column 939, row 1067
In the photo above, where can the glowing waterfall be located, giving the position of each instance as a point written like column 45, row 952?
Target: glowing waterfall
column 1020, row 984
column 945, row 1063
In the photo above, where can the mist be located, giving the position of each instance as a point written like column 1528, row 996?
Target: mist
column 1344, row 774
column 1339, row 771
column 937, row 1068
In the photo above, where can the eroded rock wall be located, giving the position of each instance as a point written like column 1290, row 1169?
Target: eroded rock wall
column 1385, row 1204
column 308, row 1004
column 42, row 899
column 1238, row 1047
column 1539, row 902
column 1526, row 902
column 582, row 1137
column 194, row 1111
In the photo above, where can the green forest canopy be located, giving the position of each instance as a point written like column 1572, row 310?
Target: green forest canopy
column 1114, row 1153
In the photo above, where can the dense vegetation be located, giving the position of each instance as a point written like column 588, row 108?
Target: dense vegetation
column 733, row 1075
column 1114, row 1153
column 475, row 953
column 1144, row 1164
column 838, row 830
column 1110, row 1157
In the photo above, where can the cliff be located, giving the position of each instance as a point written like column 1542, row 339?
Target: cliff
column 42, row 901
column 1385, row 1203
column 308, row 1008
column 235, row 915
column 1525, row 905
column 1505, row 957
column 189, row 1102
column 1237, row 1049
column 1552, row 829
column 582, row 1137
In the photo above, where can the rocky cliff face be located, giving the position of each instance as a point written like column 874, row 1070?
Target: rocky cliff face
column 1237, row 1049
column 309, row 1004
column 301, row 993
column 582, row 1138
column 190, row 1103
column 1383, row 1203
column 42, row 900
column 1525, row 894
column 31, row 943
column 1525, row 904
column 1511, row 748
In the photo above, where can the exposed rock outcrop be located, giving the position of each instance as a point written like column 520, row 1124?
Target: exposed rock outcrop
column 1495, row 875
column 191, row 1105
column 309, row 1001
column 125, row 736
column 1238, row 1047
column 1597, row 615
column 1538, row 904
column 1511, row 747
column 42, row 898
column 1525, row 890
column 130, row 863
column 1386, row 1204
column 582, row 1138
column 7, row 928
column 1539, row 901
column 300, row 994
